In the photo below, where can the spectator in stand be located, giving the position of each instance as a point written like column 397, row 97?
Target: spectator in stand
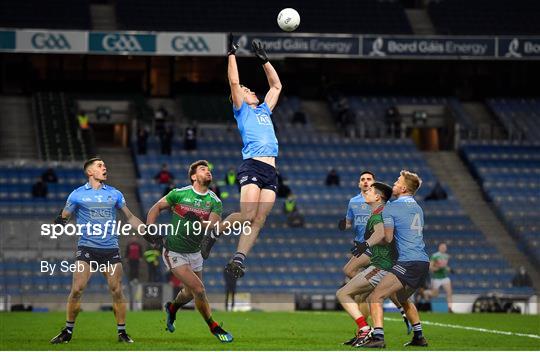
column 290, row 204
column 332, row 179
column 151, row 256
column 522, row 278
column 39, row 189
column 49, row 176
column 82, row 118
column 159, row 120
column 142, row 138
column 190, row 138
column 164, row 177
column 438, row 193
column 133, row 254
column 230, row 178
column 166, row 138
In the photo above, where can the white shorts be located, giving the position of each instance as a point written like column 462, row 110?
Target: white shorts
column 373, row 275
column 173, row 260
column 437, row 283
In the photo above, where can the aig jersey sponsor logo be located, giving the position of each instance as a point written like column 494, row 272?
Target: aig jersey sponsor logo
column 189, row 44
column 121, row 42
column 264, row 119
column 50, row 41
column 100, row 213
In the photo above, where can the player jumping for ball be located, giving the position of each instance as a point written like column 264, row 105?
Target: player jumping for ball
column 195, row 209
column 257, row 173
column 94, row 205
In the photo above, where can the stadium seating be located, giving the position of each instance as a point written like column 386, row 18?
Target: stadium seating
column 367, row 16
column 53, row 14
column 520, row 117
column 16, row 189
column 510, row 177
column 486, row 17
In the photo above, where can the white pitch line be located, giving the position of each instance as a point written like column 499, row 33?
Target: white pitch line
column 500, row 332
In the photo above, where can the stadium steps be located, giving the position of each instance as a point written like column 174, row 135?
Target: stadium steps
column 17, row 132
column 488, row 125
column 449, row 169
column 122, row 174
column 103, row 17
column 420, row 21
column 319, row 114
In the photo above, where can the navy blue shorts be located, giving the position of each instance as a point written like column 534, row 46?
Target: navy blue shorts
column 411, row 274
column 259, row 173
column 99, row 255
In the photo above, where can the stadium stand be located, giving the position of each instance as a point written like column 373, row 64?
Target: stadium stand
column 488, row 17
column 520, row 117
column 280, row 263
column 367, row 16
column 509, row 174
column 54, row 14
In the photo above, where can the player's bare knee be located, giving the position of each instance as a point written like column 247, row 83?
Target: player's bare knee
column 341, row 294
column 116, row 292
column 199, row 292
column 77, row 291
column 348, row 271
column 259, row 221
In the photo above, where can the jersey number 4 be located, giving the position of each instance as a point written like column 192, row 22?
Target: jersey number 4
column 416, row 225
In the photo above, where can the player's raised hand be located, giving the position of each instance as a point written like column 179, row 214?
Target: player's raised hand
column 232, row 45
column 259, row 51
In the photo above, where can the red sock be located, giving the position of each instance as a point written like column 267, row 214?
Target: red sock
column 361, row 322
column 173, row 308
column 213, row 325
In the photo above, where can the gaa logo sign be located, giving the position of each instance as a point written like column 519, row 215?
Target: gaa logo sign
column 121, row 42
column 50, row 41
column 189, row 44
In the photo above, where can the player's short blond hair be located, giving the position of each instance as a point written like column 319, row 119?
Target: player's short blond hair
column 412, row 181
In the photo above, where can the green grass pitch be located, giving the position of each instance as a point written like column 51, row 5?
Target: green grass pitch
column 261, row 331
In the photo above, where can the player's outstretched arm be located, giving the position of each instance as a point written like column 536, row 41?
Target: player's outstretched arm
column 237, row 94
column 272, row 96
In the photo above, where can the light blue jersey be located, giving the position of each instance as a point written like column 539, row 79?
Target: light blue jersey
column 257, row 131
column 358, row 213
column 98, row 209
column 406, row 217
